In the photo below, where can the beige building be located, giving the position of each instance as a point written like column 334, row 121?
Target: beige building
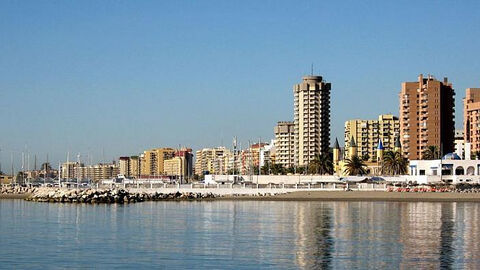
column 129, row 166
column 471, row 118
column 427, row 109
column 366, row 134
column 6, row 179
column 152, row 161
column 175, row 167
column 213, row 161
column 285, row 144
column 68, row 169
column 311, row 118
column 97, row 172
column 123, row 164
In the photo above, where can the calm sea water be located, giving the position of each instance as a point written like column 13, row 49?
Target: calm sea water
column 240, row 235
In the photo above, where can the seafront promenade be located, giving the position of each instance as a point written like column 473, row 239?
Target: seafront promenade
column 119, row 194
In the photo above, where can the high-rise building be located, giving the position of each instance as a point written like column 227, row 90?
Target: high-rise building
column 367, row 133
column 426, row 116
column 213, row 161
column 123, row 164
column 152, row 161
column 285, row 143
column 134, row 167
column 471, row 118
column 311, row 119
column 129, row 166
column 68, row 169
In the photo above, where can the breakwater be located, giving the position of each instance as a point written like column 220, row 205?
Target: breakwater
column 58, row 195
column 16, row 190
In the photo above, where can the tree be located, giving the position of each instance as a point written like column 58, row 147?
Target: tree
column 232, row 172
column 277, row 169
column 355, row 166
column 431, row 153
column 394, row 163
column 321, row 164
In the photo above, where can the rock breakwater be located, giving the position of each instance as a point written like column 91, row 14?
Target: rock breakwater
column 16, row 190
column 109, row 196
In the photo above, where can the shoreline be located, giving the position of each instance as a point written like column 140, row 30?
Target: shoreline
column 365, row 196
column 22, row 196
column 335, row 196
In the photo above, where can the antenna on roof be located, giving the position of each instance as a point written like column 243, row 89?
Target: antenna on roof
column 312, row 69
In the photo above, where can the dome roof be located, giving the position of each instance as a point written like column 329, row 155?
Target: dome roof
column 451, row 156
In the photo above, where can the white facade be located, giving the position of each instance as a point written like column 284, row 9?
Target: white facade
column 452, row 171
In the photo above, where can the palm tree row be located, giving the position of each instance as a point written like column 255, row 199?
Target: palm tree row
column 321, row 164
column 431, row 153
column 394, row 163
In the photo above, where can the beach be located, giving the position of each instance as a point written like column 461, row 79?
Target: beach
column 370, row 196
column 317, row 195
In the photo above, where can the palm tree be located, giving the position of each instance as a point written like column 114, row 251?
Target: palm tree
column 431, row 153
column 321, row 164
column 355, row 166
column 475, row 155
column 394, row 163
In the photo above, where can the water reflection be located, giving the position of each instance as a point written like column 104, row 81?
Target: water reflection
column 387, row 235
column 249, row 235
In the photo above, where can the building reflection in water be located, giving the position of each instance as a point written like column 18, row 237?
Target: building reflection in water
column 387, row 235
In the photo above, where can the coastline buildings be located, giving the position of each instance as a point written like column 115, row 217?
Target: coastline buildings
column 130, row 166
column 311, row 119
column 216, row 160
column 450, row 169
column 96, row 172
column 68, row 169
column 180, row 166
column 285, row 143
column 152, row 161
column 426, row 116
column 6, row 179
column 366, row 134
column 471, row 118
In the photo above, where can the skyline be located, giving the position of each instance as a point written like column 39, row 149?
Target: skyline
column 87, row 76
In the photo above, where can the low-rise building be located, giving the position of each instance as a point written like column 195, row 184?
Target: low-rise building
column 97, row 172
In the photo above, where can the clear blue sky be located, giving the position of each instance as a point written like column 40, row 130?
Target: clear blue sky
column 123, row 76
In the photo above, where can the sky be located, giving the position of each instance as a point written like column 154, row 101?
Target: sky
column 105, row 79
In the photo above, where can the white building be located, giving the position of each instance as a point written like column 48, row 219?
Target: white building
column 450, row 169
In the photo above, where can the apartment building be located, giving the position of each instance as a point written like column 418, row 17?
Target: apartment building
column 426, row 116
column 68, row 169
column 151, row 162
column 216, row 160
column 129, row 166
column 311, row 119
column 367, row 133
column 97, row 172
column 471, row 118
column 284, row 143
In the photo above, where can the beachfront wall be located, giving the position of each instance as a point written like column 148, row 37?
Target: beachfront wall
column 447, row 171
column 273, row 179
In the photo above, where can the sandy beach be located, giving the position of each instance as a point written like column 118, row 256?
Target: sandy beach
column 369, row 196
column 339, row 196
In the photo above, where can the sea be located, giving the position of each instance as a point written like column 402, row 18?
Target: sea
column 240, row 235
